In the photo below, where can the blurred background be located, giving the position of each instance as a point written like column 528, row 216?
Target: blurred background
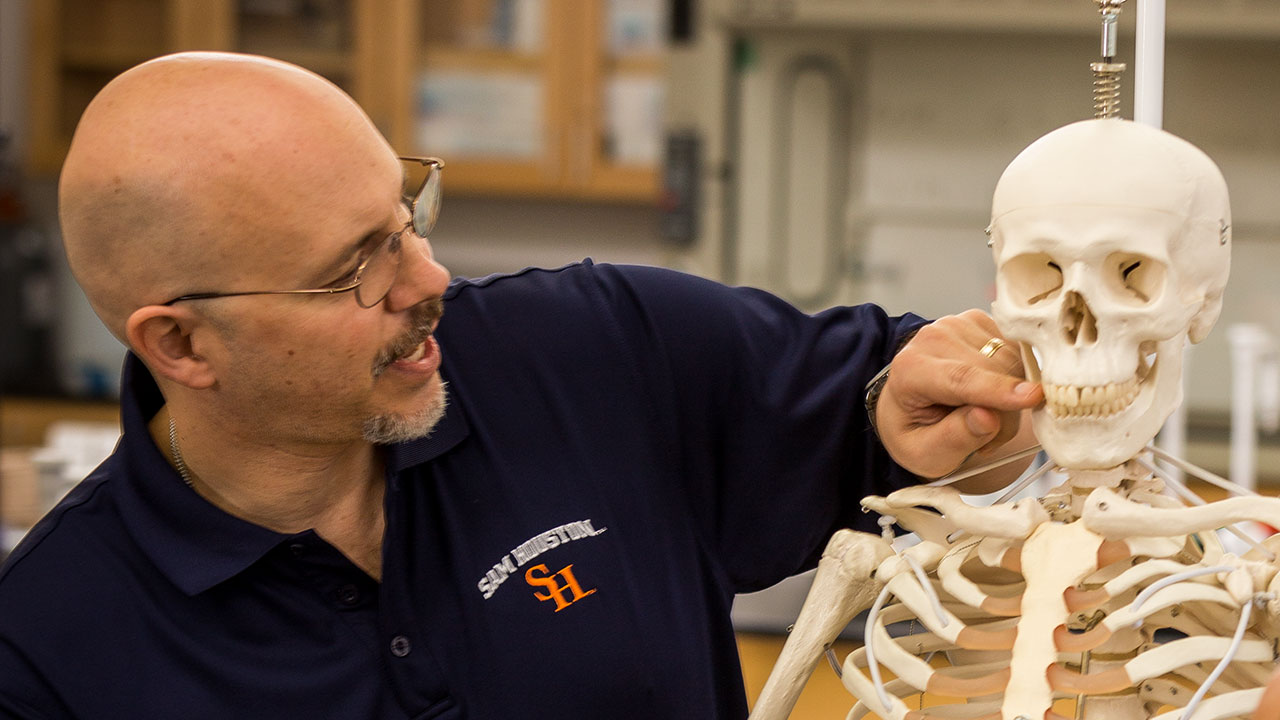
column 833, row 151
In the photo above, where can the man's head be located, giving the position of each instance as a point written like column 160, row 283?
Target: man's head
column 1112, row 248
column 222, row 173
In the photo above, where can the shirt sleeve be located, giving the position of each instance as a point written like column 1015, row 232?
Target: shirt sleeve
column 24, row 694
column 767, row 408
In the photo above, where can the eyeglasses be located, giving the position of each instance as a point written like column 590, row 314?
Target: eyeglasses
column 373, row 277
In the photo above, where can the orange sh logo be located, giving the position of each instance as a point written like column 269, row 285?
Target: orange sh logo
column 557, row 585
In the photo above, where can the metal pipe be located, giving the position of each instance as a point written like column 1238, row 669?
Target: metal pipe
column 1148, row 86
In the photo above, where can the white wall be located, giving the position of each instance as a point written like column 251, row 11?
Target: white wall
column 935, row 119
column 481, row 236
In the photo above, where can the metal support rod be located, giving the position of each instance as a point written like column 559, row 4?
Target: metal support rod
column 1107, row 72
column 1109, row 31
column 1148, row 85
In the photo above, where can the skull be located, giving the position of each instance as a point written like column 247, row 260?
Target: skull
column 1112, row 247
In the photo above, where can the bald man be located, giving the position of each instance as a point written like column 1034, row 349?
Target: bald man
column 302, row 520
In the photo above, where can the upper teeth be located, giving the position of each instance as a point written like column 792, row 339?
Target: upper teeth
column 417, row 353
column 1093, row 401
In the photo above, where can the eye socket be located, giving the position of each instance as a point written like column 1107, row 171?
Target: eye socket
column 1135, row 277
column 1032, row 278
column 347, row 278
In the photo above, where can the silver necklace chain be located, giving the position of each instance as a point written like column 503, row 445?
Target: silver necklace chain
column 177, row 454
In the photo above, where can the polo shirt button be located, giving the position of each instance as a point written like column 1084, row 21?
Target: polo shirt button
column 400, row 646
column 297, row 549
column 348, row 595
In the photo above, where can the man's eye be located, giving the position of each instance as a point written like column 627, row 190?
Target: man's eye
column 348, row 277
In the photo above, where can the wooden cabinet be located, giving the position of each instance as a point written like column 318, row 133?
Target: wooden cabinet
column 76, row 46
column 24, row 421
column 542, row 98
column 532, row 97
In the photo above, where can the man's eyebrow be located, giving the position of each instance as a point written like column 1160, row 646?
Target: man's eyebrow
column 341, row 264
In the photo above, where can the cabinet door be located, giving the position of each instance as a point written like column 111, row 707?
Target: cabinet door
column 550, row 98
column 482, row 87
column 343, row 40
column 616, row 123
column 77, row 46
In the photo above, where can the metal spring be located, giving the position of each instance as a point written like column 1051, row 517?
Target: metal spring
column 1106, row 89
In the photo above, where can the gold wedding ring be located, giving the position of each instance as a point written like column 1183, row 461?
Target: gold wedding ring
column 992, row 347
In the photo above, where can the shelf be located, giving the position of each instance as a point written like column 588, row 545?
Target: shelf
column 536, row 84
column 481, row 177
column 329, row 63
column 24, row 421
column 113, row 59
column 1189, row 18
column 480, row 60
column 635, row 65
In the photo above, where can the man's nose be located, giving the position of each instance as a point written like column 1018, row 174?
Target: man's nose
column 419, row 277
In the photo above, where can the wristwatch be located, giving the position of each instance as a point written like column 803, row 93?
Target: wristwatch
column 874, row 388
column 876, row 385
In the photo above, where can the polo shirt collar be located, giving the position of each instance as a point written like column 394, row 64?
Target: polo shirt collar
column 450, row 431
column 194, row 543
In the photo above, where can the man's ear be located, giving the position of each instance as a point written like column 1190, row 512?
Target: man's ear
column 161, row 336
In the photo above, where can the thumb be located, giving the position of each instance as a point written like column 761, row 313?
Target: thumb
column 982, row 423
column 947, row 443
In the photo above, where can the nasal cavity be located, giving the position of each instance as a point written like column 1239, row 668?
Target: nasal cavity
column 1079, row 327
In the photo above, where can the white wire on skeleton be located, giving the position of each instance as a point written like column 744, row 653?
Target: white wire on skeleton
column 873, row 614
column 868, row 639
column 1245, row 611
column 1185, row 493
column 1025, row 482
column 928, row 590
column 1174, row 484
column 958, row 476
column 1165, row 582
column 1201, row 473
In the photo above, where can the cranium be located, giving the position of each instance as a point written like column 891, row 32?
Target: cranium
column 1112, row 247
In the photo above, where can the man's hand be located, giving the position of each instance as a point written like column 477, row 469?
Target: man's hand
column 1269, row 706
column 946, row 401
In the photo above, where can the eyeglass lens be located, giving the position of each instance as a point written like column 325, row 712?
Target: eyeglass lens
column 379, row 272
column 426, row 206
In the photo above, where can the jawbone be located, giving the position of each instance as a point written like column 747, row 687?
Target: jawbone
column 1101, row 427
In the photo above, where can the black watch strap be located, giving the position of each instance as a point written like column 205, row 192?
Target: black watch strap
column 877, row 383
column 874, row 388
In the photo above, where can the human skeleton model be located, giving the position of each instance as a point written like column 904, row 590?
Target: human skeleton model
column 1111, row 242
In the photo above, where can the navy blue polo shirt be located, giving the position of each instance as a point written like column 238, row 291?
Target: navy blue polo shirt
column 624, row 450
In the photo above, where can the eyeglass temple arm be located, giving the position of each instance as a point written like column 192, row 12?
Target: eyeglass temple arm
column 424, row 161
column 315, row 291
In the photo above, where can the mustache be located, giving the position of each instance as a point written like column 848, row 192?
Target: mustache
column 422, row 319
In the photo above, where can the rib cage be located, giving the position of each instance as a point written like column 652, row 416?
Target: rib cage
column 1078, row 612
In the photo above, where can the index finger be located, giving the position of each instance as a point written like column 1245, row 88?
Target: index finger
column 953, row 383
